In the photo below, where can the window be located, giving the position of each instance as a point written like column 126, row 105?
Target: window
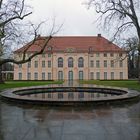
column 105, row 54
column 97, row 63
column 49, row 75
column 49, row 48
column 121, row 63
column 43, row 55
column 35, row 76
column 91, row 63
column 60, row 75
column 49, row 64
column 60, row 62
column 112, row 75
column 112, row 54
column 20, row 65
column 98, row 75
column 105, row 75
column 36, row 64
column 28, row 76
column 60, row 95
column 43, row 75
column 105, row 63
column 29, row 64
column 81, row 62
column 91, row 75
column 81, row 75
column 20, row 76
column 112, row 63
column 49, row 55
column 120, row 54
column 121, row 75
column 97, row 54
column 43, row 64
column 70, row 62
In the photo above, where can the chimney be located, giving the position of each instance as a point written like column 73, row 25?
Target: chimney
column 99, row 35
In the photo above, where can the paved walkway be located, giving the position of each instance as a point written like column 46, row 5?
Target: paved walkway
column 28, row 122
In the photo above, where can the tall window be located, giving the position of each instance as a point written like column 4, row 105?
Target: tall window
column 91, row 63
column 112, row 63
column 60, row 62
column 91, row 75
column 29, row 64
column 105, row 63
column 81, row 62
column 105, row 75
column 121, row 75
column 121, row 63
column 20, row 65
column 111, row 54
column 20, row 76
column 49, row 76
column 81, row 75
column 36, row 76
column 43, row 75
column 70, row 62
column 112, row 75
column 36, row 64
column 49, row 64
column 97, row 54
column 28, row 76
column 98, row 75
column 43, row 64
column 97, row 63
column 60, row 75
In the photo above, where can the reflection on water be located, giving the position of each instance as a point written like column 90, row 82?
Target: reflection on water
column 68, row 96
column 28, row 122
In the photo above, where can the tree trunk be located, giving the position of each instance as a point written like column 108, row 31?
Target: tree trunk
column 139, row 66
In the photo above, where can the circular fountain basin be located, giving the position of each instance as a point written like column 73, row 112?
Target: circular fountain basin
column 63, row 95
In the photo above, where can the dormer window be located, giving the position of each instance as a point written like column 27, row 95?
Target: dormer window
column 49, row 48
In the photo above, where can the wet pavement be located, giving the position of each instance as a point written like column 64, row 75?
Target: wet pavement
column 32, row 122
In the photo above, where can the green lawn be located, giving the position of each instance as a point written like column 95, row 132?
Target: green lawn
column 132, row 84
column 14, row 84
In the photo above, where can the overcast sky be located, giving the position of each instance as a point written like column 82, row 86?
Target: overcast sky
column 77, row 19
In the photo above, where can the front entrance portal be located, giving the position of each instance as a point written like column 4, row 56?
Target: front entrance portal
column 70, row 75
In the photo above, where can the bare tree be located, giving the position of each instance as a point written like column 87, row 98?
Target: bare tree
column 12, row 14
column 121, row 15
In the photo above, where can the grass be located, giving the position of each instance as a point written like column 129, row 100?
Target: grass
column 131, row 84
column 15, row 84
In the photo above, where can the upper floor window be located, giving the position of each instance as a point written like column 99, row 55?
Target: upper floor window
column 43, row 64
column 70, row 62
column 49, row 64
column 112, row 63
column 29, row 64
column 97, row 54
column 121, row 63
column 112, row 54
column 120, row 54
column 105, row 63
column 20, row 65
column 60, row 62
column 43, row 55
column 91, row 63
column 81, row 62
column 105, row 54
column 49, row 55
column 36, row 64
column 97, row 63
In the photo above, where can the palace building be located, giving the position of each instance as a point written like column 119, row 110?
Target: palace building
column 73, row 58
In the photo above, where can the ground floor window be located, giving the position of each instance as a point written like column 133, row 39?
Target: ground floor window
column 43, row 75
column 98, row 75
column 81, row 75
column 112, row 75
column 105, row 75
column 60, row 75
column 28, row 76
column 121, row 75
column 91, row 75
column 20, row 76
column 35, row 76
column 49, row 76
column 70, row 75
